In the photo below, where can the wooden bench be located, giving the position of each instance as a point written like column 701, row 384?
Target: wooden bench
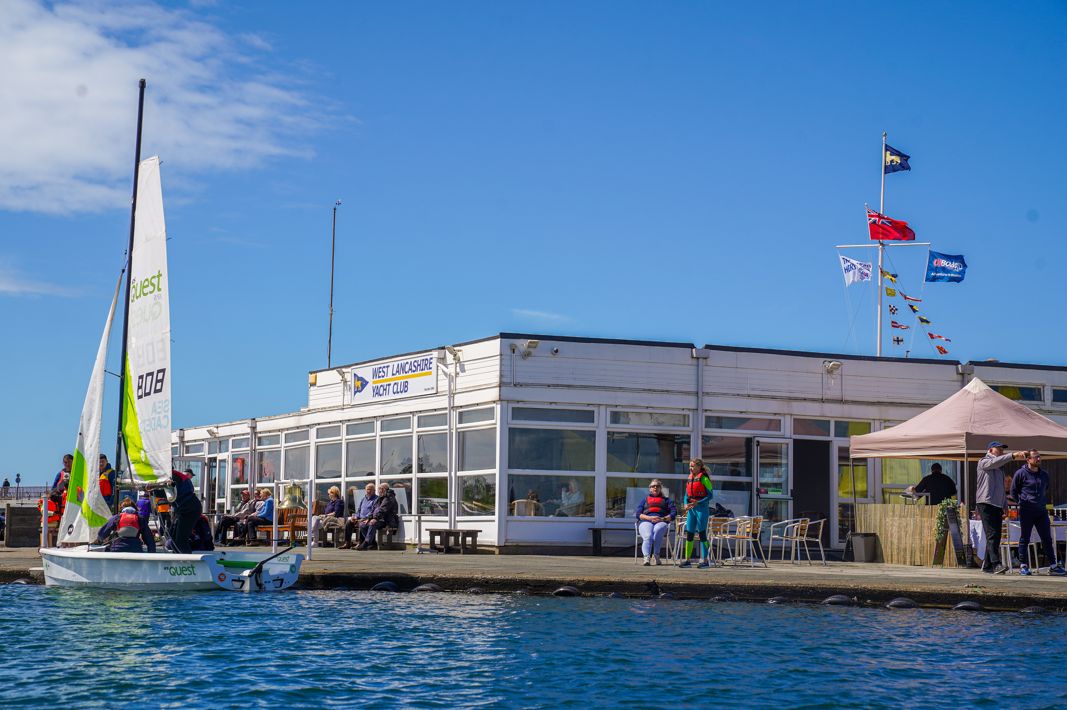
column 449, row 540
column 385, row 539
column 292, row 522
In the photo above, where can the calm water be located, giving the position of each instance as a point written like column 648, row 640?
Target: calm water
column 310, row 648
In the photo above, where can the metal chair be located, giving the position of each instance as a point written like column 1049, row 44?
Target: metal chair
column 746, row 536
column 788, row 534
column 668, row 551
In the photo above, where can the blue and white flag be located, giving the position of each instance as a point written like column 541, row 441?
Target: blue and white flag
column 945, row 267
column 854, row 270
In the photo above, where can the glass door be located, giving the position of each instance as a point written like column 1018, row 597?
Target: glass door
column 773, row 482
column 853, row 486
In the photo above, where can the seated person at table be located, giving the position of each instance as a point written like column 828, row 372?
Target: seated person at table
column 655, row 512
column 361, row 519
column 1029, row 486
column 125, row 531
column 331, row 519
column 935, row 483
column 384, row 515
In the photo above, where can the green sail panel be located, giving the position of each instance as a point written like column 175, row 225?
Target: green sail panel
column 146, row 399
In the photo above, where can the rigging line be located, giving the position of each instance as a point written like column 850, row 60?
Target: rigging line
column 919, row 324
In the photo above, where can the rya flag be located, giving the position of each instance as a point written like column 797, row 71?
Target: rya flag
column 924, row 321
column 890, row 291
column 945, row 267
column 854, row 271
column 884, row 229
column 899, row 325
column 909, row 298
column 941, row 350
column 892, row 309
column 914, row 309
column 935, row 336
column 888, row 276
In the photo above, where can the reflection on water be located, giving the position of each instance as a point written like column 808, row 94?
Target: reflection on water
column 309, row 648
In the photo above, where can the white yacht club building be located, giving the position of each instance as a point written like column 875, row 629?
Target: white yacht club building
column 535, row 439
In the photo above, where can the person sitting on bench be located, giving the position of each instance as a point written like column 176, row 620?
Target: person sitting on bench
column 358, row 522
column 384, row 515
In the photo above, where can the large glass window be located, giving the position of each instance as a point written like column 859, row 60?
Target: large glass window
column 1059, row 396
column 551, row 449
column 638, row 452
column 239, row 471
column 241, row 443
column 726, row 456
column 774, row 468
column 328, row 432
column 433, row 496
column 625, row 493
column 268, row 463
column 734, row 495
column 472, row 416
column 328, row 460
column 297, row 462
column 898, row 474
column 296, row 437
column 649, row 419
column 432, row 420
column 541, row 414
column 357, row 428
column 268, row 440
column 433, row 453
column 1019, row 393
column 811, row 427
column 396, row 424
column 843, row 429
column 849, row 471
column 478, row 495
column 559, row 496
column 742, row 423
column 396, row 455
column 221, row 487
column 360, row 458
column 477, row 449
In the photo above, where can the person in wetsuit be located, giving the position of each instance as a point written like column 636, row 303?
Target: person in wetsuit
column 187, row 509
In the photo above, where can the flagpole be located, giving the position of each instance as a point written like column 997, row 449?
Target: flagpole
column 881, row 253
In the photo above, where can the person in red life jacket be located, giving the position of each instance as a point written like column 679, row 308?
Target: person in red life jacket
column 107, row 480
column 55, row 512
column 126, row 530
column 697, row 503
column 159, row 496
column 187, row 510
column 655, row 514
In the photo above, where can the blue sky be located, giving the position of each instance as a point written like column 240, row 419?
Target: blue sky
column 676, row 171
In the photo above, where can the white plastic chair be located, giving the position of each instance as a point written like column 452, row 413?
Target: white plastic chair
column 787, row 534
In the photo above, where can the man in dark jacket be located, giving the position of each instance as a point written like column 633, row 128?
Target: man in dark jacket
column 936, row 484
column 1029, row 486
column 383, row 515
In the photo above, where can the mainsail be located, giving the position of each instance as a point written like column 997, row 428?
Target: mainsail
column 86, row 510
column 146, row 400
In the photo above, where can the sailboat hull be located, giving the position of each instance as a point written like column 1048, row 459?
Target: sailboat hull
column 230, row 570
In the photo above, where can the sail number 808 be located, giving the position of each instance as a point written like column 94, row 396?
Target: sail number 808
column 151, row 382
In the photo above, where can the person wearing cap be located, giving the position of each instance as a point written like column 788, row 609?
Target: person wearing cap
column 936, row 484
column 126, row 530
column 1029, row 486
column 992, row 501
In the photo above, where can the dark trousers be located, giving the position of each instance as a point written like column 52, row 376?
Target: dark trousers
column 1030, row 518
column 253, row 522
column 185, row 517
column 992, row 518
column 227, row 522
column 359, row 528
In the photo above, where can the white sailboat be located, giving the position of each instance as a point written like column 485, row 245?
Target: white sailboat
column 145, row 428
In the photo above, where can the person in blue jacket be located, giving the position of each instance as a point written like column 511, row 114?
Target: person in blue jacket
column 1029, row 486
column 655, row 513
column 126, row 530
column 264, row 515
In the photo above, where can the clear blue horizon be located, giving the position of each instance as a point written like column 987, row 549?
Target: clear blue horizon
column 675, row 172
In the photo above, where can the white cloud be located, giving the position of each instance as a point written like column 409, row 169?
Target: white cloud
column 543, row 316
column 12, row 283
column 69, row 97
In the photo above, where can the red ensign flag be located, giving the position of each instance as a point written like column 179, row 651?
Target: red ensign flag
column 884, row 229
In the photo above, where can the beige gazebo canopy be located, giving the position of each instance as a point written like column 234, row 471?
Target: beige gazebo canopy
column 962, row 426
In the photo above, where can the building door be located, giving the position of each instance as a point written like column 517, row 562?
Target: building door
column 814, row 471
column 853, row 486
column 773, row 482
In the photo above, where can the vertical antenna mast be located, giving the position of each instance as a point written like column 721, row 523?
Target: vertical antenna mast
column 129, row 277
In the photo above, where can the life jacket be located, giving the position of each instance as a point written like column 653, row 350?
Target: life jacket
column 695, row 490
column 54, row 512
column 105, row 481
column 162, row 504
column 129, row 525
column 656, row 505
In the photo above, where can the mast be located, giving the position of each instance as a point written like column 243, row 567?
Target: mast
column 129, row 277
column 881, row 252
column 333, row 250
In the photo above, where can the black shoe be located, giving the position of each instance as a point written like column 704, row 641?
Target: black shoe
column 1000, row 569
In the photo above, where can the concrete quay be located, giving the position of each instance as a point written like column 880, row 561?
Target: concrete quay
column 870, row 584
